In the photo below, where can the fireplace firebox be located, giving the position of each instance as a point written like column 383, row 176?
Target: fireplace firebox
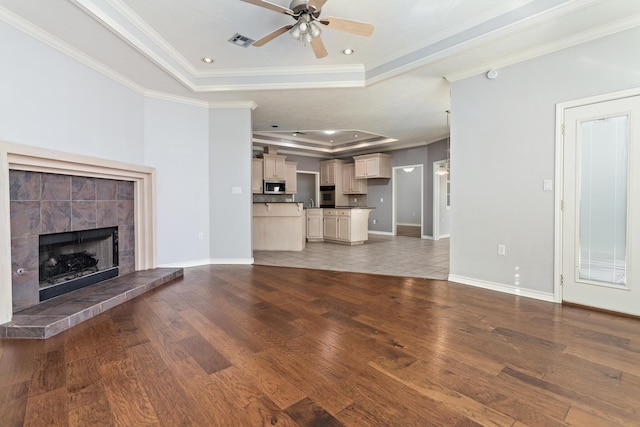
column 73, row 260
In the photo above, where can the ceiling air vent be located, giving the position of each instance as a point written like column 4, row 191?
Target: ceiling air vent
column 240, row 40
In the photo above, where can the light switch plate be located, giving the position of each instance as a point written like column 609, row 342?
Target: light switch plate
column 547, row 185
column 236, row 190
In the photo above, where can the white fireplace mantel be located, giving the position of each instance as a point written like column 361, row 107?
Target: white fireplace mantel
column 27, row 158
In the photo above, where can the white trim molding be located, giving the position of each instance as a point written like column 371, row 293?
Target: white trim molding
column 499, row 287
column 27, row 158
column 232, row 261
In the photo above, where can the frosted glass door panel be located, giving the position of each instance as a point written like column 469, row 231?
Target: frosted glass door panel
column 603, row 183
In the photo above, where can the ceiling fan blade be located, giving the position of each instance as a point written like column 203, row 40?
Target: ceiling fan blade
column 355, row 27
column 318, row 48
column 272, row 35
column 316, row 4
column 270, row 6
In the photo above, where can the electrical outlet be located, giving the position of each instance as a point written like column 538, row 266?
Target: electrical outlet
column 201, row 236
column 502, row 250
column 375, row 221
column 381, row 200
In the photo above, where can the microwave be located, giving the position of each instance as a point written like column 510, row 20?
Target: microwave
column 273, row 187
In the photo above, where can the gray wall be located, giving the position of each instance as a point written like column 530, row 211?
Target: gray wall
column 380, row 188
column 69, row 107
column 503, row 147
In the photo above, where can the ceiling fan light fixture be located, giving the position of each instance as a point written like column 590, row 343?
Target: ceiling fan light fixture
column 315, row 30
column 295, row 32
column 307, row 37
column 348, row 51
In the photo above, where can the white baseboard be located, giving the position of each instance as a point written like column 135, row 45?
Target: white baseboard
column 186, row 264
column 407, row 224
column 381, row 233
column 232, row 261
column 212, row 261
column 424, row 237
column 508, row 289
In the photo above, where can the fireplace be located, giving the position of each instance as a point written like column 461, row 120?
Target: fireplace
column 67, row 232
column 73, row 260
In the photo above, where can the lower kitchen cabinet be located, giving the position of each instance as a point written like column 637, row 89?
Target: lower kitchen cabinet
column 346, row 226
column 315, row 227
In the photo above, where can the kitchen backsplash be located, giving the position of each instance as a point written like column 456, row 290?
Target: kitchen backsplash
column 272, row 198
column 355, row 200
column 358, row 200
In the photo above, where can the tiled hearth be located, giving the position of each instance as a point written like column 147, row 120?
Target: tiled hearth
column 61, row 313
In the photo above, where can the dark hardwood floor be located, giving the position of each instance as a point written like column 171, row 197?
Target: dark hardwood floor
column 256, row 345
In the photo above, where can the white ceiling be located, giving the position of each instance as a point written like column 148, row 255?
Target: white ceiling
column 395, row 85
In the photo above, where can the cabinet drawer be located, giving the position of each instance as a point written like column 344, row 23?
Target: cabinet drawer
column 330, row 212
column 345, row 212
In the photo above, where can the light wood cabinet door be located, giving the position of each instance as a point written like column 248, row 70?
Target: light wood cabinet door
column 291, row 185
column 274, row 167
column 344, row 228
column 373, row 166
column 330, row 227
column 315, row 231
column 328, row 173
column 256, row 176
column 350, row 184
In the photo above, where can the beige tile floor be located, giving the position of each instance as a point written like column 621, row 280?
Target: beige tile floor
column 391, row 255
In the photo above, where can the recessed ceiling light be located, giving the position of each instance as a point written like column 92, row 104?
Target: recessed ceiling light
column 207, row 60
column 347, row 51
column 295, row 134
column 331, row 140
column 329, row 132
column 355, row 136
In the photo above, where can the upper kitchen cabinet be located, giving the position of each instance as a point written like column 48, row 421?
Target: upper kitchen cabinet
column 350, row 184
column 376, row 165
column 331, row 172
column 256, row 176
column 291, row 185
column 274, row 167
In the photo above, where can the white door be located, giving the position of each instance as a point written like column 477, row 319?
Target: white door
column 601, row 194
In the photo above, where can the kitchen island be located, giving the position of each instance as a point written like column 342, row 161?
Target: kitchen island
column 279, row 226
column 346, row 225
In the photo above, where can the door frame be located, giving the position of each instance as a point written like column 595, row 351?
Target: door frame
column 559, row 176
column 436, row 201
column 316, row 200
column 394, row 197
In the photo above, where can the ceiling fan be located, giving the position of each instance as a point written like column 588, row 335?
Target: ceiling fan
column 306, row 29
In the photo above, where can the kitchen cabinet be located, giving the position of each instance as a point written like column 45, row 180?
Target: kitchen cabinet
column 346, row 226
column 279, row 227
column 256, row 176
column 330, row 227
column 274, row 167
column 291, row 178
column 377, row 165
column 331, row 172
column 351, row 184
column 315, row 227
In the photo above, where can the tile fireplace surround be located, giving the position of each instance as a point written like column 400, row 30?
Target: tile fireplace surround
column 45, row 203
column 66, row 175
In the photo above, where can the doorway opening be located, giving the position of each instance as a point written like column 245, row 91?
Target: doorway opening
column 441, row 201
column 408, row 204
column 308, row 189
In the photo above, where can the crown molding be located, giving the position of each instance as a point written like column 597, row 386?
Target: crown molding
column 567, row 42
column 431, row 53
column 136, row 41
column 37, row 33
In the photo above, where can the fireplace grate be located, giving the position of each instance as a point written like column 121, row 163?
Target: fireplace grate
column 72, row 260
